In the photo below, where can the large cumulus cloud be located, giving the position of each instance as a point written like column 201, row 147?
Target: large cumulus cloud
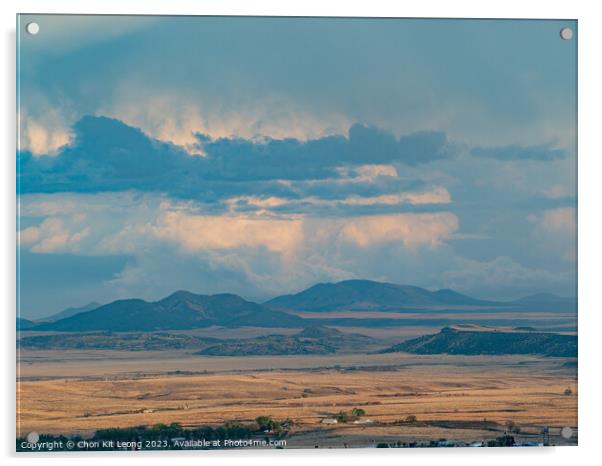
column 107, row 155
column 102, row 136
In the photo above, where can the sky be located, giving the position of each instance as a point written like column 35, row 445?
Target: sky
column 260, row 156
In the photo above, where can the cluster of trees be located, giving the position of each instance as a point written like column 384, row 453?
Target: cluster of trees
column 267, row 424
column 164, row 432
column 503, row 441
column 345, row 416
column 230, row 430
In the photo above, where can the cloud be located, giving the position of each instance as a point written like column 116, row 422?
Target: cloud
column 555, row 232
column 240, row 159
column 171, row 116
column 562, row 220
column 200, row 232
column 434, row 196
column 61, row 34
column 43, row 140
column 544, row 152
column 174, row 244
column 412, row 230
column 266, row 256
column 183, row 244
column 559, row 222
column 372, row 171
column 437, row 195
column 334, row 175
column 557, row 191
column 419, row 85
column 43, row 132
column 107, row 155
column 289, row 236
column 51, row 236
column 503, row 276
column 132, row 224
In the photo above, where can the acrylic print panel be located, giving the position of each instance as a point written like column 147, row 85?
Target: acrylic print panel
column 246, row 232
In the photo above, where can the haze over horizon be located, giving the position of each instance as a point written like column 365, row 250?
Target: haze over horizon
column 280, row 157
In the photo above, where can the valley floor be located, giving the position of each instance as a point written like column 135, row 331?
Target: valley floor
column 460, row 398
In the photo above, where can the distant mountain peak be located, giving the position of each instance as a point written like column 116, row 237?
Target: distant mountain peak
column 71, row 311
column 358, row 294
column 179, row 294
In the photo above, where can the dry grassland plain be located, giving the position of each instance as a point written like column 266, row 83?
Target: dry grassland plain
column 452, row 397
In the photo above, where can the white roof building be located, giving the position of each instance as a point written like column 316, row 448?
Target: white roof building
column 329, row 420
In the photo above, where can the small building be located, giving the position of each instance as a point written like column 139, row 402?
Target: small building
column 363, row 421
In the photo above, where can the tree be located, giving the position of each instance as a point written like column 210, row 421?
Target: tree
column 511, row 427
column 411, row 418
column 504, row 441
column 568, row 391
column 358, row 412
column 265, row 422
column 288, row 422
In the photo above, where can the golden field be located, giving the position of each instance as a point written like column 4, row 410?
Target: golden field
column 454, row 397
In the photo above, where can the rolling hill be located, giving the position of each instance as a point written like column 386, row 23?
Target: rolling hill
column 180, row 310
column 152, row 341
column 311, row 340
column 489, row 342
column 546, row 302
column 24, row 324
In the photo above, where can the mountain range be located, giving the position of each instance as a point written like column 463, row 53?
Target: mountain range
column 180, row 310
column 186, row 310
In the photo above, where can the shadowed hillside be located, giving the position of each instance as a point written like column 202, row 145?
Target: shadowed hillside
column 181, row 310
column 156, row 341
column 311, row 340
column 25, row 324
column 489, row 342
